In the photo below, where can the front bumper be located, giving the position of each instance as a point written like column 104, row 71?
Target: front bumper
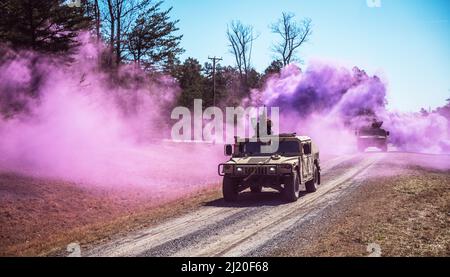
column 368, row 142
column 247, row 170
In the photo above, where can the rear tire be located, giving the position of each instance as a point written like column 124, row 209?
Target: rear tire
column 291, row 191
column 311, row 186
column 230, row 189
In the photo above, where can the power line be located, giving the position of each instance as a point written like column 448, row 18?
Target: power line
column 215, row 60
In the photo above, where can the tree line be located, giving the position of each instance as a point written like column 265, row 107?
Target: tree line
column 143, row 33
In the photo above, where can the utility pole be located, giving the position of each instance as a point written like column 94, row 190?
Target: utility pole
column 215, row 60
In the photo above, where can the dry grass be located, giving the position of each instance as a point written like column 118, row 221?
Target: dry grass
column 405, row 215
column 40, row 217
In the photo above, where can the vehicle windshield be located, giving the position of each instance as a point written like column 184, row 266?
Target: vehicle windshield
column 284, row 148
column 372, row 132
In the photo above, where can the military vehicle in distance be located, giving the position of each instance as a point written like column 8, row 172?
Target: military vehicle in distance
column 372, row 136
column 295, row 163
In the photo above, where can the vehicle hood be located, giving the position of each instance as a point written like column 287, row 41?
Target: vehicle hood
column 263, row 160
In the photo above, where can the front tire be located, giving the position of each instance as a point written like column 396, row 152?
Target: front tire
column 230, row 189
column 311, row 186
column 291, row 191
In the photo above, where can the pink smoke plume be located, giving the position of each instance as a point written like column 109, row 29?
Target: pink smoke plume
column 80, row 123
column 329, row 102
column 83, row 125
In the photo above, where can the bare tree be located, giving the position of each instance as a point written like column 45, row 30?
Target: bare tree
column 293, row 35
column 91, row 9
column 97, row 19
column 120, row 16
column 111, row 19
column 241, row 39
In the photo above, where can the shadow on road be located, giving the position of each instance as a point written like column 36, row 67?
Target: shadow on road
column 249, row 199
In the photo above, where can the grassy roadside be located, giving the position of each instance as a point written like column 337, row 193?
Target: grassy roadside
column 103, row 231
column 41, row 217
column 405, row 215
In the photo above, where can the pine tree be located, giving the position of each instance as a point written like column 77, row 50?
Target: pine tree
column 191, row 82
column 152, row 43
column 274, row 67
column 48, row 26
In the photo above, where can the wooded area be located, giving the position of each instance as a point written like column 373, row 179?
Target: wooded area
column 143, row 33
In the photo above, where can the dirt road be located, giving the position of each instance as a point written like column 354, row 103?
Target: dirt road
column 251, row 227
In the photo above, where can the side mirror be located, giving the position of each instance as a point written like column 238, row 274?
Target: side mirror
column 388, row 133
column 228, row 150
column 307, row 149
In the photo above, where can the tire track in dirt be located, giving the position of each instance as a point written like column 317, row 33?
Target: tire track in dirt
column 212, row 229
column 241, row 238
column 259, row 242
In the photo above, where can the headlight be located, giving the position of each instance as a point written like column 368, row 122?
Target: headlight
column 239, row 170
column 228, row 169
column 285, row 168
column 272, row 170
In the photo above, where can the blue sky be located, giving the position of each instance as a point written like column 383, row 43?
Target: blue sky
column 406, row 42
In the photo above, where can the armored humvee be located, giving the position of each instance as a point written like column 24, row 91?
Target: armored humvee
column 373, row 136
column 295, row 163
